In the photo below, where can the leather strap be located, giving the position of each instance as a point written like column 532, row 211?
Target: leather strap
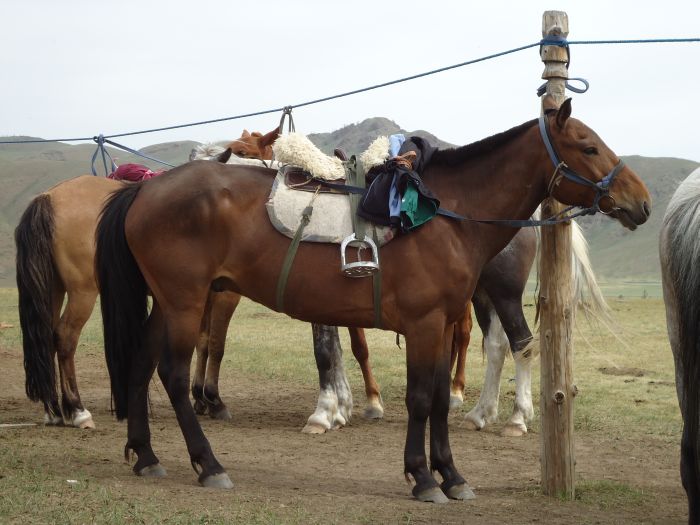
column 289, row 258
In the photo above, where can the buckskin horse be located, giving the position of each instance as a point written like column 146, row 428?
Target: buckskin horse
column 55, row 263
column 680, row 276
column 201, row 229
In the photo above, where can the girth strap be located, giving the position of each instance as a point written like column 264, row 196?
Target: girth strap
column 291, row 253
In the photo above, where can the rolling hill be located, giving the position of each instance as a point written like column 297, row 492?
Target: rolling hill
column 29, row 169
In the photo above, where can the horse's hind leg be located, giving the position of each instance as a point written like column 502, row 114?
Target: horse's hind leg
column 460, row 343
column 182, row 328
column 223, row 304
column 375, row 406
column 524, row 348
column 334, row 406
column 77, row 312
column 142, row 367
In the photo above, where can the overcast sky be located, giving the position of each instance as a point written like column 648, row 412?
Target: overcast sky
column 79, row 68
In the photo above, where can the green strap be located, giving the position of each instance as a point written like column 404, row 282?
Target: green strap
column 377, row 288
column 289, row 258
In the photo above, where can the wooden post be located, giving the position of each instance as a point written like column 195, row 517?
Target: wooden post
column 556, row 310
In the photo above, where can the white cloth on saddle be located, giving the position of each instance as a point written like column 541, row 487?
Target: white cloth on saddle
column 296, row 149
column 330, row 220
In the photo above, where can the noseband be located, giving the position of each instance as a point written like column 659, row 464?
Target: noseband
column 562, row 170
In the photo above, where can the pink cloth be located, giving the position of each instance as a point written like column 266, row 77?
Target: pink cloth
column 133, row 173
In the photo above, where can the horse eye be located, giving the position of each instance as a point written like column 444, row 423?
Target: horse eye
column 592, row 150
column 239, row 153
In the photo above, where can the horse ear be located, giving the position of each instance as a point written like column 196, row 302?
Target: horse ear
column 564, row 113
column 245, row 134
column 270, row 137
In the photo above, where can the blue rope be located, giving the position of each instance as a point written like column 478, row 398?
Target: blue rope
column 559, row 41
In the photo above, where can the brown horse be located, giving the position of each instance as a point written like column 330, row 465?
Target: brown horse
column 55, row 263
column 205, row 228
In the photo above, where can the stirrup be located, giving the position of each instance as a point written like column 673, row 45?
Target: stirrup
column 359, row 268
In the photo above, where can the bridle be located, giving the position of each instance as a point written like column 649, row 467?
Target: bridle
column 562, row 170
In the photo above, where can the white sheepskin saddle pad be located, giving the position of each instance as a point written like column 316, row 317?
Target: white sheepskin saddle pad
column 330, row 220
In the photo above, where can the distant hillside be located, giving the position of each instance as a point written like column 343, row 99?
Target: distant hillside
column 355, row 138
column 27, row 170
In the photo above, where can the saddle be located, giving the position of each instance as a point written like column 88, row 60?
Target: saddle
column 302, row 177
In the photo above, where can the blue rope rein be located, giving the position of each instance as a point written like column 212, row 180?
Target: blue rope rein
column 551, row 41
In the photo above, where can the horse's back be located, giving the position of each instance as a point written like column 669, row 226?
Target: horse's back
column 76, row 206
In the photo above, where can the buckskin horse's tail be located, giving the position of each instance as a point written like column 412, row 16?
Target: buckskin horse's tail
column 35, row 284
column 123, row 294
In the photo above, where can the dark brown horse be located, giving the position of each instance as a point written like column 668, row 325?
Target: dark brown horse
column 55, row 264
column 201, row 229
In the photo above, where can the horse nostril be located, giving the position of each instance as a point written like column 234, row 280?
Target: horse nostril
column 646, row 208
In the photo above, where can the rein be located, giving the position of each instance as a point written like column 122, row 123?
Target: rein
column 561, row 170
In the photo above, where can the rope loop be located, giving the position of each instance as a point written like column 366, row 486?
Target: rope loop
column 100, row 141
column 287, row 112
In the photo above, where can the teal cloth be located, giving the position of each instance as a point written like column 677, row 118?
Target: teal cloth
column 416, row 210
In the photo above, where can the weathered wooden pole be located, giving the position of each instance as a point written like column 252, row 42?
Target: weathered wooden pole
column 557, row 390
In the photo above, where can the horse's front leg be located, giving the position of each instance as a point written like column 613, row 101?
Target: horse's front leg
column 334, row 406
column 428, row 395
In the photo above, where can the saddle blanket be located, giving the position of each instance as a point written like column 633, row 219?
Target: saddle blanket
column 330, row 220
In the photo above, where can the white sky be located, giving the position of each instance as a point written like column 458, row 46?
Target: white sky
column 79, row 68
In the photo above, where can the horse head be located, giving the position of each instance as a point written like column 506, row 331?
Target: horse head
column 587, row 172
column 254, row 145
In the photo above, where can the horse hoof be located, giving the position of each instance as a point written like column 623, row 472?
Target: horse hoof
column 373, row 412
column 200, row 408
column 432, row 495
column 470, row 424
column 313, row 428
column 87, row 424
column 152, row 471
column 460, row 492
column 514, row 430
column 221, row 414
column 217, row 481
column 456, row 401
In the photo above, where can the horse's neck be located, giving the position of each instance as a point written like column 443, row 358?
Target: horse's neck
column 507, row 183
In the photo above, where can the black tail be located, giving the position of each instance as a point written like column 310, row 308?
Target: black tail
column 35, row 282
column 123, row 294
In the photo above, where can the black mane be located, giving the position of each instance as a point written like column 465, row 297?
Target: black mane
column 452, row 156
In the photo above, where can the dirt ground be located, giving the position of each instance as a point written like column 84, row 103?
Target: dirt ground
column 351, row 475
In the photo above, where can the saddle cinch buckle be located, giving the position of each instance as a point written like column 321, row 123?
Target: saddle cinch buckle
column 359, row 268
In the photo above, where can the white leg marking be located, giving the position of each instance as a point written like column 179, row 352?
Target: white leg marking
column 374, row 408
column 326, row 413
column 344, row 395
column 495, row 345
column 523, row 410
column 82, row 419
